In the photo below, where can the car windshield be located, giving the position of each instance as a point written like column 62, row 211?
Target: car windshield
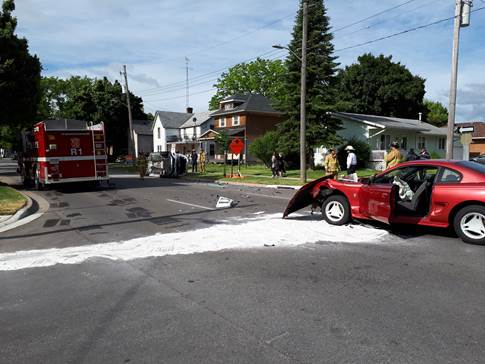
column 477, row 167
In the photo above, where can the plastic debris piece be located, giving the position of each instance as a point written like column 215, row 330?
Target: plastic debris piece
column 225, row 202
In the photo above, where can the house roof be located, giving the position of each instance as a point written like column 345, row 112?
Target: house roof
column 250, row 103
column 201, row 118
column 392, row 123
column 143, row 127
column 172, row 120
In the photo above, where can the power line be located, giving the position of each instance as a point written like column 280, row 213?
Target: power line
column 402, row 32
column 394, row 17
column 373, row 16
column 177, row 85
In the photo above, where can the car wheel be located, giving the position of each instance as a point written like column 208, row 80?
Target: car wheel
column 336, row 210
column 469, row 224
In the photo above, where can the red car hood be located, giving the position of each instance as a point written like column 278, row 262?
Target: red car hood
column 303, row 197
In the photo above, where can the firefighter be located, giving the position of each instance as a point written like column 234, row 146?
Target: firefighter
column 142, row 164
column 202, row 158
column 393, row 158
column 332, row 167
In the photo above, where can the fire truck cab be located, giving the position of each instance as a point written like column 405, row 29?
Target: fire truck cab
column 64, row 150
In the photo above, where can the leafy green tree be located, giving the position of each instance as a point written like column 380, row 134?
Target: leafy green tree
column 261, row 76
column 93, row 100
column 19, row 73
column 264, row 146
column 379, row 86
column 435, row 113
column 321, row 70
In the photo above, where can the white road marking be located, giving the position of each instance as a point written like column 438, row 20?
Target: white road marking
column 232, row 233
column 190, row 204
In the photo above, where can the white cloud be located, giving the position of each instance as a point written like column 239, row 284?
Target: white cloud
column 152, row 37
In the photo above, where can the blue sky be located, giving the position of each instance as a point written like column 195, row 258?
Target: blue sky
column 152, row 37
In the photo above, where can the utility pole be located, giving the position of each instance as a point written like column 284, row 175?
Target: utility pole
column 462, row 19
column 131, row 143
column 187, row 82
column 303, row 94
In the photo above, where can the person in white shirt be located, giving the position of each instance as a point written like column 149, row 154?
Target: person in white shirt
column 351, row 161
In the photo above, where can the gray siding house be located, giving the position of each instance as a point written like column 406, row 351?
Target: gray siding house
column 380, row 131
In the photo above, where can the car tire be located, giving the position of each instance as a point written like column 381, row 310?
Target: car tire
column 336, row 210
column 469, row 224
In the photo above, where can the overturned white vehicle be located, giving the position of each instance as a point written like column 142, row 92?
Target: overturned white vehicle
column 167, row 164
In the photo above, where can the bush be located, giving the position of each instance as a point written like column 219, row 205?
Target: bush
column 264, row 146
column 435, row 155
column 362, row 151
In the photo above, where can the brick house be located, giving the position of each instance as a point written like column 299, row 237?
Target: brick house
column 477, row 147
column 246, row 116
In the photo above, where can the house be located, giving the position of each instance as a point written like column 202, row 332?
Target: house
column 477, row 147
column 381, row 131
column 190, row 132
column 247, row 116
column 142, row 136
column 166, row 128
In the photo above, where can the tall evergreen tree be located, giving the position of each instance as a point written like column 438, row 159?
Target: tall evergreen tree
column 321, row 71
column 19, row 73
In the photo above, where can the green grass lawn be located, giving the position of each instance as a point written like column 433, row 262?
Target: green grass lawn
column 10, row 200
column 259, row 174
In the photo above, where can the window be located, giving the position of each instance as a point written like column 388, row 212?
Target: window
column 450, row 176
column 385, row 142
column 158, row 133
column 442, row 143
column 421, row 142
column 235, row 120
column 211, row 150
column 228, row 106
column 222, row 122
column 477, row 167
column 404, row 143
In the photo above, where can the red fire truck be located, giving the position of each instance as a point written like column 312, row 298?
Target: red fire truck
column 63, row 150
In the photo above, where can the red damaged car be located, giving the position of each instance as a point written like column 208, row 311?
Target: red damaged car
column 435, row 193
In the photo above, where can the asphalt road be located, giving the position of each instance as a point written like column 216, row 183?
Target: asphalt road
column 416, row 297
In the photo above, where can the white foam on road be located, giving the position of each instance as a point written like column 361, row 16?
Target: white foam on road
column 241, row 233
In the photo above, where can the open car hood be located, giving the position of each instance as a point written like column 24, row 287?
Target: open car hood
column 303, row 197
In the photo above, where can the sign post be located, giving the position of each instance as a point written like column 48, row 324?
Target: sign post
column 465, row 140
column 236, row 147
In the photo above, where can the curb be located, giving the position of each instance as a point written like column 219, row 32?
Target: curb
column 36, row 206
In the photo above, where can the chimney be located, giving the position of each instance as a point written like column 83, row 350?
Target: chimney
column 420, row 116
column 190, row 110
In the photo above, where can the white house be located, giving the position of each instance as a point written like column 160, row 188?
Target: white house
column 381, row 131
column 166, row 128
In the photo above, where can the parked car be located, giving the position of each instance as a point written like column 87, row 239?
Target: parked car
column 479, row 159
column 443, row 194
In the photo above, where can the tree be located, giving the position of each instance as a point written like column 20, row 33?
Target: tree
column 261, row 76
column 92, row 100
column 379, row 86
column 321, row 70
column 264, row 146
column 435, row 113
column 19, row 73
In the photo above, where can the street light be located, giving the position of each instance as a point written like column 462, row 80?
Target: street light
column 279, row 46
column 302, row 90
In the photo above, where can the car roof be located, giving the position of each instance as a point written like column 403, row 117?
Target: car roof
column 470, row 174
